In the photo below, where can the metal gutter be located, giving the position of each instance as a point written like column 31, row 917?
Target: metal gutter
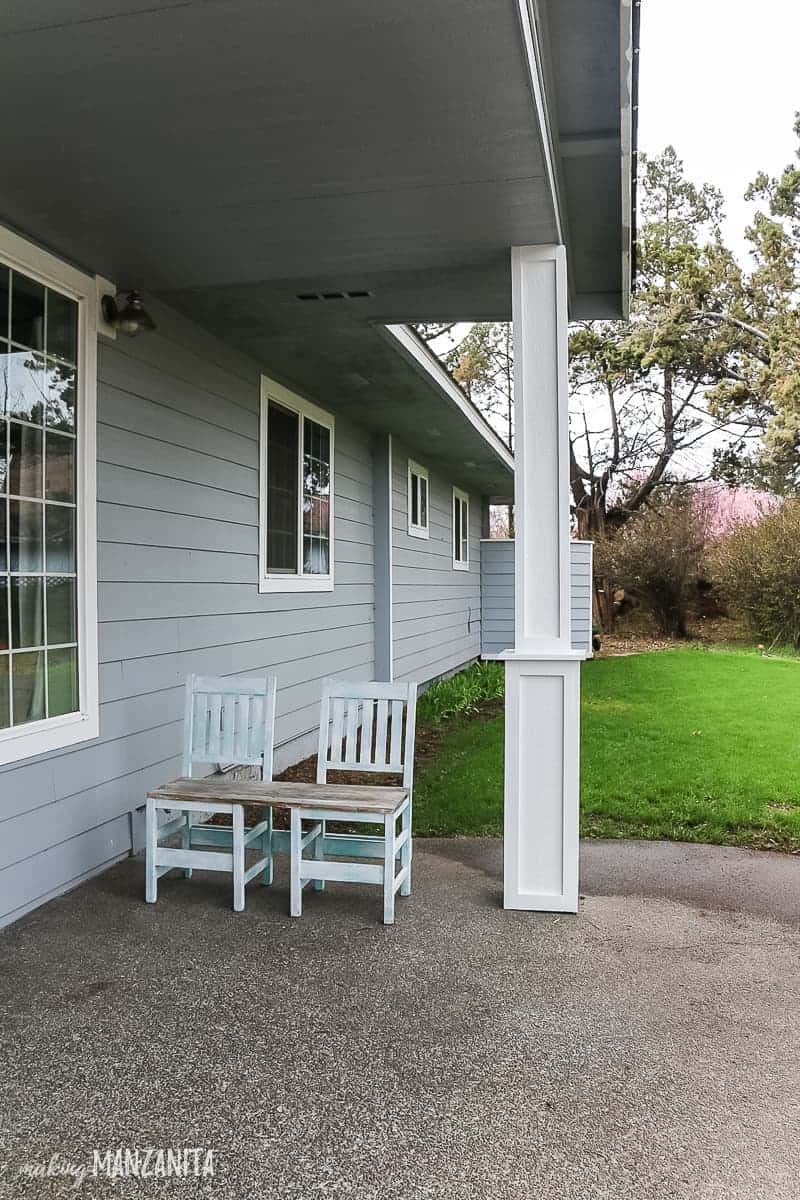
column 530, row 24
column 634, row 132
column 629, row 130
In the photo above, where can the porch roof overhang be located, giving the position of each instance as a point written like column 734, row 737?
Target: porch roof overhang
column 232, row 156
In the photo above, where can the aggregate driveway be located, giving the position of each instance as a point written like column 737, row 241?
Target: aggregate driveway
column 647, row 1048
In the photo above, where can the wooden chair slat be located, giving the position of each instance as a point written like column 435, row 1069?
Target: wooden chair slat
column 231, row 685
column 365, row 754
column 382, row 708
column 227, row 727
column 395, row 755
column 256, row 729
column 267, row 725
column 194, row 733
column 337, row 731
column 213, row 745
column 352, row 709
column 241, row 735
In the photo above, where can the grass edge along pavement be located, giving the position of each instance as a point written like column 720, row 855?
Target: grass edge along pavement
column 691, row 744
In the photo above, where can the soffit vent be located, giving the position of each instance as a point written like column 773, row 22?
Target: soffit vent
column 355, row 295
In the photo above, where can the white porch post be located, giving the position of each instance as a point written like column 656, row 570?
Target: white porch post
column 542, row 672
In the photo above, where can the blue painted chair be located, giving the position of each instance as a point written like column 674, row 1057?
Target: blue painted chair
column 366, row 727
column 228, row 721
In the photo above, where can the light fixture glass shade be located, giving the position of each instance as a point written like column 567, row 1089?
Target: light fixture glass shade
column 134, row 318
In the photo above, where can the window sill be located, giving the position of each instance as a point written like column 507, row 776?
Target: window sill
column 418, row 532
column 41, row 737
column 296, row 583
column 460, row 566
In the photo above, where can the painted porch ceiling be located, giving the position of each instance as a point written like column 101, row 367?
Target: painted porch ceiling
column 187, row 144
column 230, row 154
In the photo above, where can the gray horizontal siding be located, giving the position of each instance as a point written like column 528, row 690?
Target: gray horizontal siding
column 497, row 595
column 177, row 592
column 436, row 609
column 580, row 568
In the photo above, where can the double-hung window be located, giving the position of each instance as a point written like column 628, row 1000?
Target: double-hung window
column 460, row 530
column 296, row 493
column 418, row 518
column 48, row 581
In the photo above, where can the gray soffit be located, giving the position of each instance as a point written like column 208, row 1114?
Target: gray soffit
column 218, row 143
column 230, row 156
column 330, row 352
column 237, row 141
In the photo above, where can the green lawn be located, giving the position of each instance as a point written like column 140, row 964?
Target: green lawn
column 691, row 744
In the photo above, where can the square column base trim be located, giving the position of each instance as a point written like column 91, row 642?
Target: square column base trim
column 542, row 781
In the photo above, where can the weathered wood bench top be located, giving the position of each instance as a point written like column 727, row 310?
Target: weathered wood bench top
column 334, row 796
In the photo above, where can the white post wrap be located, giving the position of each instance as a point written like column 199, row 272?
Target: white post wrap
column 542, row 671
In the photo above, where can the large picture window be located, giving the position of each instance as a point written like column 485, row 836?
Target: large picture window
column 48, row 657
column 296, row 493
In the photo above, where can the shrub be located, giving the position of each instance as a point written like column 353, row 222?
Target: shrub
column 461, row 693
column 656, row 555
column 757, row 570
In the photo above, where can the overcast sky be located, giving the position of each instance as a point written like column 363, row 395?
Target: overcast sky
column 720, row 81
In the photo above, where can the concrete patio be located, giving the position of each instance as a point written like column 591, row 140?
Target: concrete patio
column 646, row 1048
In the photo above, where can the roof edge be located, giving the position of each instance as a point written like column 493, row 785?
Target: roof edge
column 426, row 363
column 629, row 122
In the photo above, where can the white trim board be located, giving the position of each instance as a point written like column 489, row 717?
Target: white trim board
column 382, row 481
column 531, row 27
column 628, row 74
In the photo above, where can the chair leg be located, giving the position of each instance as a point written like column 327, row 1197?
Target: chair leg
column 238, row 858
column 405, row 853
column 151, row 842
column 186, row 842
column 388, row 870
column 295, row 886
column 319, row 853
column 266, row 850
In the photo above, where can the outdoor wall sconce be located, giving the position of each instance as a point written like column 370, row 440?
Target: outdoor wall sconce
column 132, row 319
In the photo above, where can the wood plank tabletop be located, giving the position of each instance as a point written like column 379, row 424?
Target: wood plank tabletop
column 335, row 796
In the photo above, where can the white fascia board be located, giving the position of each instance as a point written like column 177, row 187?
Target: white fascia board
column 628, row 72
column 426, row 361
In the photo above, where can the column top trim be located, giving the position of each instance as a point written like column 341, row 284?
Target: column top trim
column 541, row 252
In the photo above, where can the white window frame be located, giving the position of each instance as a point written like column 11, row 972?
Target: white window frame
column 419, row 531
column 271, row 390
column 55, row 733
column 460, row 498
